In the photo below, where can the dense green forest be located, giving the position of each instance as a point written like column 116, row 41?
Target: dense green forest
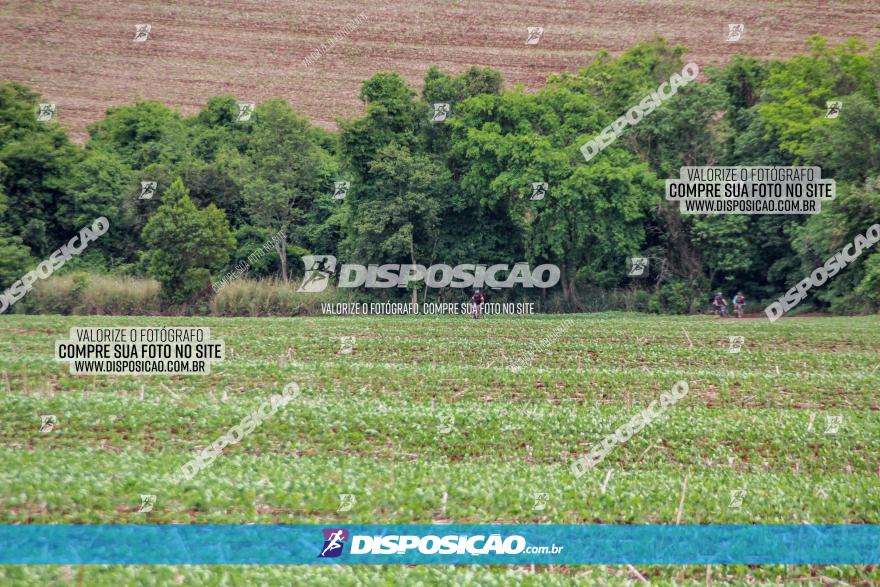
column 458, row 191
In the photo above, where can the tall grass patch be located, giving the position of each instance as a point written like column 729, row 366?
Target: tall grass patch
column 267, row 297
column 84, row 294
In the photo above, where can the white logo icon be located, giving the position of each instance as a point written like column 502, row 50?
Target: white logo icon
column 441, row 111
column 346, row 344
column 340, row 189
column 540, row 501
column 147, row 503
column 638, row 266
column 735, row 32
column 736, row 343
column 245, row 111
column 141, row 32
column 346, row 502
column 45, row 112
column 832, row 424
column 539, row 190
column 446, row 424
column 148, row 188
column 318, row 271
column 833, row 107
column 335, row 542
column 736, row 499
column 48, row 422
column 535, row 34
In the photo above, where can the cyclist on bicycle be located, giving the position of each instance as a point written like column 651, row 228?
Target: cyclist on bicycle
column 719, row 304
column 739, row 304
column 478, row 299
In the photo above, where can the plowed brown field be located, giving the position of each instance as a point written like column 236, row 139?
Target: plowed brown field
column 80, row 54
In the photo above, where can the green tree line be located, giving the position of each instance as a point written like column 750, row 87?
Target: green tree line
column 458, row 191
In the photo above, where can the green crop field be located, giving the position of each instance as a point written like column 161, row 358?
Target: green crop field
column 446, row 419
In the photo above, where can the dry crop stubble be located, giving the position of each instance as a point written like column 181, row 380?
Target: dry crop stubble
column 80, row 54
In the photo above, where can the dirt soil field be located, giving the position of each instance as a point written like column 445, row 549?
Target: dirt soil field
column 81, row 54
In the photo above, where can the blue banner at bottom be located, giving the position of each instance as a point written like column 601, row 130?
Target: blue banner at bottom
column 438, row 544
